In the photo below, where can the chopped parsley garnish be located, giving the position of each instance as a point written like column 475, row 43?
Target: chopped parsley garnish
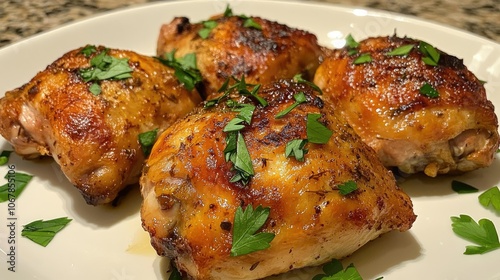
column 483, row 234
column 334, row 270
column 185, row 68
column 298, row 79
column 104, row 67
column 174, row 272
column 429, row 91
column 42, row 232
column 431, row 55
column 491, row 198
column 16, row 183
column 295, row 148
column 347, row 187
column 461, row 187
column 208, row 25
column 248, row 21
column 363, row 58
column 401, row 51
column 147, row 140
column 299, row 99
column 4, row 157
column 242, row 89
column 350, row 42
column 316, row 131
column 247, row 222
column 88, row 50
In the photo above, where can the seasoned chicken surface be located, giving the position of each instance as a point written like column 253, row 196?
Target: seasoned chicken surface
column 94, row 137
column 190, row 202
column 415, row 115
column 262, row 53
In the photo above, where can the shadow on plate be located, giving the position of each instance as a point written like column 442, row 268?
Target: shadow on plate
column 47, row 171
column 420, row 185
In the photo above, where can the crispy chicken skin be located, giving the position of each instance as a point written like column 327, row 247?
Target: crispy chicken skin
column 262, row 56
column 94, row 138
column 189, row 203
column 453, row 133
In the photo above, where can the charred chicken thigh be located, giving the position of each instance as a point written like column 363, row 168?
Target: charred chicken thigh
column 226, row 46
column 87, row 109
column 193, row 186
column 419, row 108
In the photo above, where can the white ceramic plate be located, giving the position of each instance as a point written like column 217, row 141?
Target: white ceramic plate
column 107, row 243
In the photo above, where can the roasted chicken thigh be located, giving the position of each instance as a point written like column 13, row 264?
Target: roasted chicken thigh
column 419, row 108
column 193, row 187
column 91, row 127
column 226, row 46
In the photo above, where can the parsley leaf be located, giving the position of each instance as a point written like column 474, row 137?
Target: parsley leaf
column 88, row 50
column 298, row 79
column 208, row 25
column 185, row 68
column 174, row 273
column 241, row 87
column 246, row 223
column 104, row 67
column 401, row 51
column 242, row 161
column 350, row 42
column 429, row 91
column 250, row 22
column 316, row 131
column 363, row 58
column 491, row 197
column 4, row 157
column 16, row 184
column 299, row 99
column 482, row 233
column 295, row 148
column 228, row 12
column 461, row 187
column 42, row 232
column 147, row 140
column 347, row 187
column 431, row 55
column 335, row 271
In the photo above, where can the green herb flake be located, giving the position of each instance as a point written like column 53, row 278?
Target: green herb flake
column 298, row 79
column 185, row 68
column 430, row 54
column 243, row 161
column 174, row 272
column 429, row 91
column 491, row 198
column 316, row 131
column 95, row 89
column 42, row 232
column 482, row 233
column 4, row 157
column 88, row 50
column 228, row 12
column 147, row 140
column 247, row 222
column 208, row 25
column 461, row 187
column 401, row 51
column 350, row 43
column 251, row 23
column 295, row 148
column 347, row 187
column 363, row 58
column 299, row 99
column 334, row 270
column 16, row 184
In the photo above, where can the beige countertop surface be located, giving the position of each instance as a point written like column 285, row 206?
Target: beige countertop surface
column 23, row 18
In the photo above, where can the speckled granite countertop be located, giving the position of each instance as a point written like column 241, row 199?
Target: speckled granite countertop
column 23, row 18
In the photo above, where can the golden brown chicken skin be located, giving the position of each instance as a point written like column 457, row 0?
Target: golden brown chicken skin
column 93, row 137
column 388, row 103
column 262, row 55
column 189, row 202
